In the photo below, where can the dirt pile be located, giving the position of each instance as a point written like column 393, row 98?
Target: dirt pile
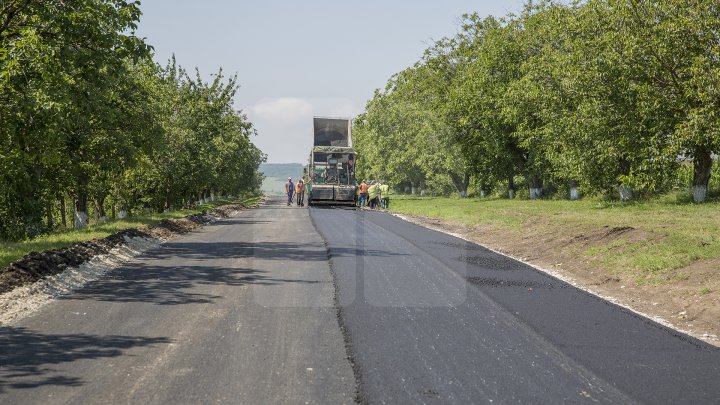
column 38, row 265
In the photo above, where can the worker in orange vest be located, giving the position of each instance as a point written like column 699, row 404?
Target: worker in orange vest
column 300, row 192
column 363, row 193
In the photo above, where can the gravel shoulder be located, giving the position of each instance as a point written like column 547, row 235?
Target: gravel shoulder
column 39, row 277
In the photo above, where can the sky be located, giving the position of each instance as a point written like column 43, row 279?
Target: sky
column 298, row 59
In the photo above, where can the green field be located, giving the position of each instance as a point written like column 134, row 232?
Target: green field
column 668, row 235
column 11, row 251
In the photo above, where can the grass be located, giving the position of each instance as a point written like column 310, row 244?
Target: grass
column 675, row 233
column 11, row 251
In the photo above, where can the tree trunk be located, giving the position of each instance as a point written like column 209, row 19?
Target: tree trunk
column 484, row 190
column 81, row 216
column 511, row 187
column 536, row 185
column 702, row 163
column 100, row 209
column 169, row 195
column 626, row 193
column 48, row 213
column 63, row 219
column 574, row 194
column 461, row 183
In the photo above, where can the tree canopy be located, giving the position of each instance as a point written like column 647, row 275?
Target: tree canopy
column 604, row 94
column 88, row 116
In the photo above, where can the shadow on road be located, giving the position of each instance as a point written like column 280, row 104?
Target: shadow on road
column 261, row 250
column 157, row 279
column 26, row 357
column 170, row 285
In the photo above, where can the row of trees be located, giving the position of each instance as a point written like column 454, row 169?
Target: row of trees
column 601, row 94
column 89, row 118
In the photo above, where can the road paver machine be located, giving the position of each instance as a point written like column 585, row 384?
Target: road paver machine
column 331, row 168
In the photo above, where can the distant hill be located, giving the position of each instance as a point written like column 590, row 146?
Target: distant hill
column 276, row 175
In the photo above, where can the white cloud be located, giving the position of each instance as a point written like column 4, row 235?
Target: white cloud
column 286, row 109
column 284, row 125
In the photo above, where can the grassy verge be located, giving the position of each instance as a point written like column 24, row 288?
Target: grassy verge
column 11, row 251
column 667, row 234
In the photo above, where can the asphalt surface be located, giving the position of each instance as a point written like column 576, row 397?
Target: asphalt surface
column 240, row 312
column 249, row 310
column 430, row 318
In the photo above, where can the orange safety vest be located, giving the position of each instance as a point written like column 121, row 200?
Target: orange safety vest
column 300, row 187
column 363, row 188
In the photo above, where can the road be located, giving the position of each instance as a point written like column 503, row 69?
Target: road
column 240, row 312
column 293, row 305
column 433, row 319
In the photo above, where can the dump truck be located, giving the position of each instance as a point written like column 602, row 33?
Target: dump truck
column 331, row 168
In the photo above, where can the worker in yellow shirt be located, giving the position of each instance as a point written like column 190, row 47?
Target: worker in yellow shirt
column 384, row 196
column 373, row 195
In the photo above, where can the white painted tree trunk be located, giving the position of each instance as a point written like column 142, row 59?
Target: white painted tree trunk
column 122, row 214
column 413, row 190
column 511, row 194
column 574, row 193
column 422, row 192
column 699, row 194
column 407, row 190
column 535, row 193
column 81, row 219
column 482, row 193
column 626, row 193
column 463, row 194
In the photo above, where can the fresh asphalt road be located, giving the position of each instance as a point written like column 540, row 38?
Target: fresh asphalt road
column 239, row 312
column 246, row 311
column 431, row 318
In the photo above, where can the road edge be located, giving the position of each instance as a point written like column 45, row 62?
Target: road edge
column 660, row 321
column 347, row 339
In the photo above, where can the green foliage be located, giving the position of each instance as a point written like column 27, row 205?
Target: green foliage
column 88, row 116
column 601, row 93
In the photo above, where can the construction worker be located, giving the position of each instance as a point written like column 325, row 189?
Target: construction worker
column 385, row 196
column 363, row 193
column 300, row 192
column 290, row 190
column 373, row 194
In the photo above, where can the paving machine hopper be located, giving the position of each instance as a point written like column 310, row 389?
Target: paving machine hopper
column 331, row 167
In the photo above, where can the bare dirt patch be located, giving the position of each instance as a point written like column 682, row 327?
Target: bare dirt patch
column 690, row 303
